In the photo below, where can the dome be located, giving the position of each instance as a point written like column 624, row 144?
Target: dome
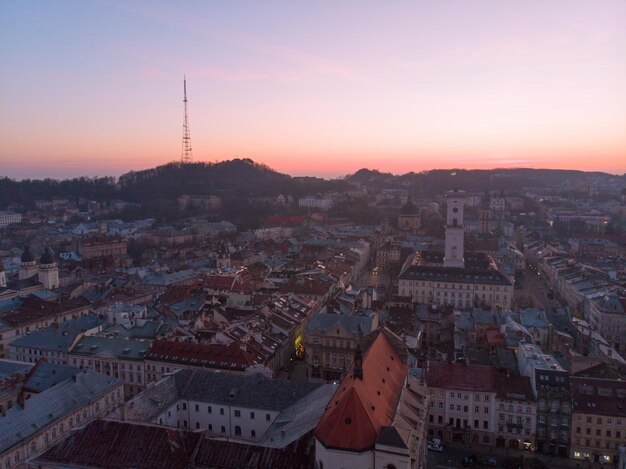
column 46, row 257
column 27, row 255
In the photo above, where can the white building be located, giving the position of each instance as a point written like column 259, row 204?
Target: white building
column 8, row 218
column 320, row 203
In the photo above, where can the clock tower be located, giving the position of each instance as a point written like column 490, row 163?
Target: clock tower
column 454, row 255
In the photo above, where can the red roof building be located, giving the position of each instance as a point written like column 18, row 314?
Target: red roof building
column 376, row 413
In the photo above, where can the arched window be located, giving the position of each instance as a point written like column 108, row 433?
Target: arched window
column 391, row 466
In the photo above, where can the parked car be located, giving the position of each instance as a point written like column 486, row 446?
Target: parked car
column 435, row 445
column 491, row 462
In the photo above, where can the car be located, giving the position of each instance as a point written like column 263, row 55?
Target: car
column 435, row 445
column 436, row 448
column 490, row 462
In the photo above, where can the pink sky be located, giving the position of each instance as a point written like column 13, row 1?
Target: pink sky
column 96, row 87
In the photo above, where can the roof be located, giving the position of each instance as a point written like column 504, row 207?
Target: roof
column 230, row 357
column 361, row 407
column 478, row 378
column 27, row 255
column 322, row 322
column 389, row 436
column 123, row 349
column 57, row 337
column 253, row 391
column 46, row 375
column 231, row 455
column 454, row 274
column 18, row 423
column 112, row 445
column 599, row 396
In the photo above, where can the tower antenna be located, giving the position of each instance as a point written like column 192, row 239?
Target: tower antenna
column 185, row 155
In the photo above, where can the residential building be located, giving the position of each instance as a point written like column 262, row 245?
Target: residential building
column 38, row 423
column 120, row 358
column 330, row 341
column 462, row 402
column 598, row 420
column 516, row 410
column 550, row 384
column 8, row 218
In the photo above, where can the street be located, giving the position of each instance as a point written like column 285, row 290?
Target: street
column 534, row 292
column 454, row 452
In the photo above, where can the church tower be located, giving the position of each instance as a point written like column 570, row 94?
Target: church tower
column 485, row 214
column 455, row 234
column 48, row 270
column 28, row 267
column 223, row 257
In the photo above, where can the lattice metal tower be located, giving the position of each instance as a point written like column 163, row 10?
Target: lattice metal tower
column 185, row 154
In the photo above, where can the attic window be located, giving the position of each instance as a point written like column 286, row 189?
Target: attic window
column 378, row 392
column 348, row 421
column 383, row 380
column 373, row 407
column 337, row 331
column 388, row 369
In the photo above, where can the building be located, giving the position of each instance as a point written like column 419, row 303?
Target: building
column 8, row 218
column 226, row 405
column 454, row 242
column 122, row 359
column 409, row 217
column 377, row 416
column 319, row 203
column 454, row 277
column 38, row 423
column 516, row 410
column 462, row 402
column 48, row 271
column 54, row 341
column 101, row 246
column 551, row 388
column 607, row 315
column 33, row 313
column 598, row 420
column 211, row 203
column 330, row 341
column 166, row 356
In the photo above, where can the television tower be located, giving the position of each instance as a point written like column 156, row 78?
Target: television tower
column 185, row 155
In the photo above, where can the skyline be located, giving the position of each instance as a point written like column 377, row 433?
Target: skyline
column 95, row 88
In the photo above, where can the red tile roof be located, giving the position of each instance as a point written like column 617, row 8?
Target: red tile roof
column 361, row 407
column 114, row 445
column 214, row 356
column 460, row 376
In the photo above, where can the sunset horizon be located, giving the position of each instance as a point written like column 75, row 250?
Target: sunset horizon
column 320, row 91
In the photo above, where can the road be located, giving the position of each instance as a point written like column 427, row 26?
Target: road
column 535, row 289
column 454, row 453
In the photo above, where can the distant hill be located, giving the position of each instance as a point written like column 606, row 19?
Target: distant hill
column 243, row 177
column 477, row 180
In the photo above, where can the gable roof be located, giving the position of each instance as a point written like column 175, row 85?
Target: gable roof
column 361, row 407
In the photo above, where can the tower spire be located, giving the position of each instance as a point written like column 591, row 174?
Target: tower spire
column 185, row 155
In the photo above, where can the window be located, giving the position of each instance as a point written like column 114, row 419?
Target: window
column 237, row 430
column 221, row 411
column 197, row 407
column 184, row 405
column 486, row 410
column 237, row 413
column 267, row 417
column 209, row 410
column 252, row 433
column 210, row 427
column 251, row 415
column 223, row 429
column 485, row 424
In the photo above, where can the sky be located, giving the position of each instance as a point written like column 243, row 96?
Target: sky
column 316, row 88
